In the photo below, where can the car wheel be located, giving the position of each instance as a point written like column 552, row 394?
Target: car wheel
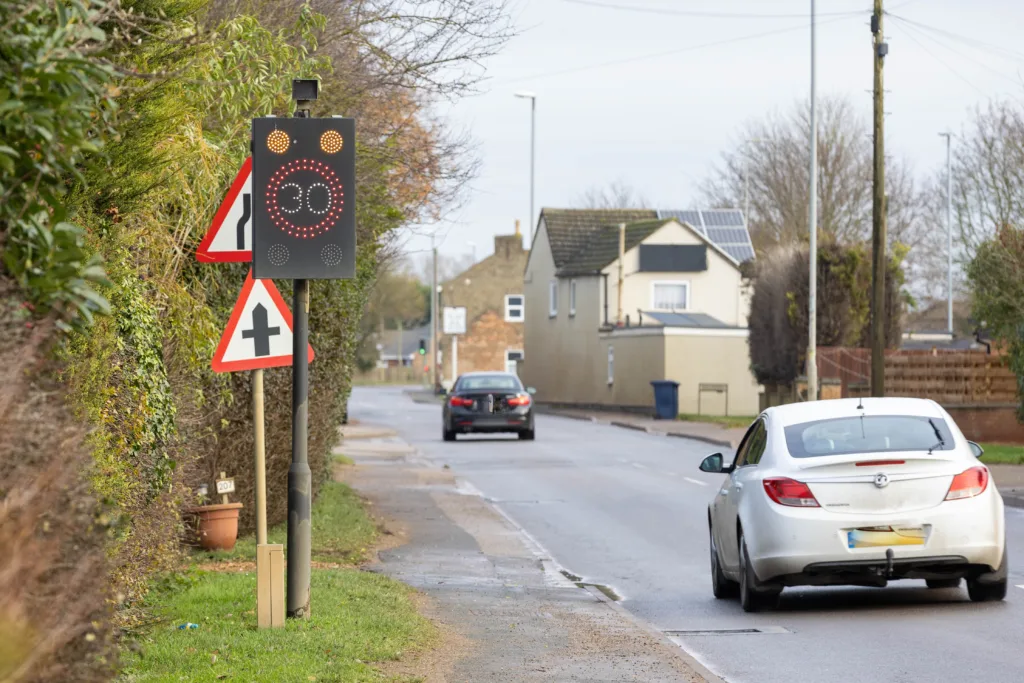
column 448, row 434
column 990, row 587
column 526, row 435
column 753, row 598
column 721, row 586
column 943, row 583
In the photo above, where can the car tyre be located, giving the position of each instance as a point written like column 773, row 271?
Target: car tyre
column 527, row 435
column 722, row 586
column 448, row 434
column 754, row 598
column 990, row 587
column 937, row 584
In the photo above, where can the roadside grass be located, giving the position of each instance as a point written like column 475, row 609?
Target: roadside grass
column 729, row 422
column 1003, row 454
column 358, row 617
column 342, row 531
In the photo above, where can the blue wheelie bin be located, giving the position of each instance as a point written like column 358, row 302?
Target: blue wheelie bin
column 666, row 399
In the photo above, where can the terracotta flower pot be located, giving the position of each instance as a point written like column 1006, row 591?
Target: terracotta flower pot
column 218, row 525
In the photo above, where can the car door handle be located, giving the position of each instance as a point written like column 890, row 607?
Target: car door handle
column 739, row 486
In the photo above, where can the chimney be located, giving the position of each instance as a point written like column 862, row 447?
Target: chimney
column 518, row 234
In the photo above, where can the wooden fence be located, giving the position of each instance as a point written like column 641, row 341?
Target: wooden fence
column 947, row 377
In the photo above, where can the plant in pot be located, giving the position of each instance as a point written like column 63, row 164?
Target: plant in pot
column 217, row 524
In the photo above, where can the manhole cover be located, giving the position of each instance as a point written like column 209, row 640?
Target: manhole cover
column 727, row 631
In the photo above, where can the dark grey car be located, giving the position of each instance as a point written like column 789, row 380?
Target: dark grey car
column 488, row 402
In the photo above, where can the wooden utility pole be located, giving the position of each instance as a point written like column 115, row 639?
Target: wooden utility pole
column 878, row 211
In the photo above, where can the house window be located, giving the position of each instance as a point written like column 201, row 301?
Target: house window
column 553, row 298
column 611, row 365
column 670, row 296
column 572, row 297
column 514, row 308
column 512, row 358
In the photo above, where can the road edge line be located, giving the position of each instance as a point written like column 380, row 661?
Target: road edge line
column 698, row 667
column 551, row 566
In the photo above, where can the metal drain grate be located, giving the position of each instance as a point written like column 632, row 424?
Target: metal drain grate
column 727, row 631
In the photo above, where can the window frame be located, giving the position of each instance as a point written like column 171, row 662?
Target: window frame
column 572, row 298
column 682, row 283
column 552, row 298
column 521, row 307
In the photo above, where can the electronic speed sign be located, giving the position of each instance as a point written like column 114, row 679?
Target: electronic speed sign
column 303, row 185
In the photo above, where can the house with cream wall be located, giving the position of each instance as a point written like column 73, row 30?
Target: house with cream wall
column 681, row 314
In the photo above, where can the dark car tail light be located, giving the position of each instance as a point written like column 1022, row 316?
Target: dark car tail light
column 789, row 492
column 519, row 400
column 460, row 402
column 968, row 484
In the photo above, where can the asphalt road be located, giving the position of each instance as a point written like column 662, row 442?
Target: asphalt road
column 628, row 509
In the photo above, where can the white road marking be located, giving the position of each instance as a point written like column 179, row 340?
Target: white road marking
column 696, row 481
column 639, row 466
column 1020, row 586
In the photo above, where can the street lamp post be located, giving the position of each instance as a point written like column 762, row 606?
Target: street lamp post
column 812, row 303
column 533, row 121
column 949, row 233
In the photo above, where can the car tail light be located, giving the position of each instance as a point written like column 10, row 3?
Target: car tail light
column 968, row 484
column 519, row 400
column 461, row 402
column 879, row 463
column 790, row 492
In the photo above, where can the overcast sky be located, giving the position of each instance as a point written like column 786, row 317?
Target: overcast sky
column 638, row 90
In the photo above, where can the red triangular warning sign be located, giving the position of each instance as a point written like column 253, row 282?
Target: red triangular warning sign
column 229, row 238
column 259, row 332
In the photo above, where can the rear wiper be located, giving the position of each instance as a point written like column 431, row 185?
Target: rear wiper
column 935, row 428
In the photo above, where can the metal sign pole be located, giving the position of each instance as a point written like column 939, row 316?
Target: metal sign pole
column 300, row 479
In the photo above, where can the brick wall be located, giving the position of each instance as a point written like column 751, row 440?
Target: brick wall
column 988, row 423
column 482, row 289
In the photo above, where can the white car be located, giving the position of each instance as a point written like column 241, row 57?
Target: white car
column 855, row 492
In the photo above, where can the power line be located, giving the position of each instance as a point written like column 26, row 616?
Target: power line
column 656, row 55
column 708, row 15
column 957, row 52
column 1005, row 53
column 942, row 61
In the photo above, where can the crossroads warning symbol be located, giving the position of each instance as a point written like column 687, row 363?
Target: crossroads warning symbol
column 259, row 332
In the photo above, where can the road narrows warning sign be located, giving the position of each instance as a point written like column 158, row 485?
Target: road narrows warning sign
column 259, row 332
column 229, row 239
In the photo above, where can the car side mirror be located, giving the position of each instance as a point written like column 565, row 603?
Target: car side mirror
column 531, row 391
column 976, row 449
column 714, row 464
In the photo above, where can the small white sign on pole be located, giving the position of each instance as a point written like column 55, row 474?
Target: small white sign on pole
column 455, row 320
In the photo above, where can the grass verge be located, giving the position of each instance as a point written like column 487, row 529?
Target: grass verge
column 357, row 617
column 342, row 531
column 1003, row 454
column 729, row 422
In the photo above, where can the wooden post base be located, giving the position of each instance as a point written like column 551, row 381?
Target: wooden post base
column 270, row 586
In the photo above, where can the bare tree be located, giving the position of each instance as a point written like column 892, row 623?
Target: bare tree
column 773, row 155
column 988, row 175
column 617, row 195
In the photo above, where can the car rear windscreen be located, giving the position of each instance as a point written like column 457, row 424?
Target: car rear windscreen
column 868, row 434
column 489, row 383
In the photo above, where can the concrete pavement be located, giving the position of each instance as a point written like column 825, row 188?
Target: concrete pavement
column 491, row 583
column 627, row 509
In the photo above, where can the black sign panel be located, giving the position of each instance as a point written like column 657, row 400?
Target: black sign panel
column 304, row 199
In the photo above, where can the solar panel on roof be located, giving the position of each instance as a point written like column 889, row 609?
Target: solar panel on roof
column 740, row 252
column 723, row 218
column 728, row 235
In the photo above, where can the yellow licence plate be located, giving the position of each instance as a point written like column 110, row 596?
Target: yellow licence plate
column 882, row 537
